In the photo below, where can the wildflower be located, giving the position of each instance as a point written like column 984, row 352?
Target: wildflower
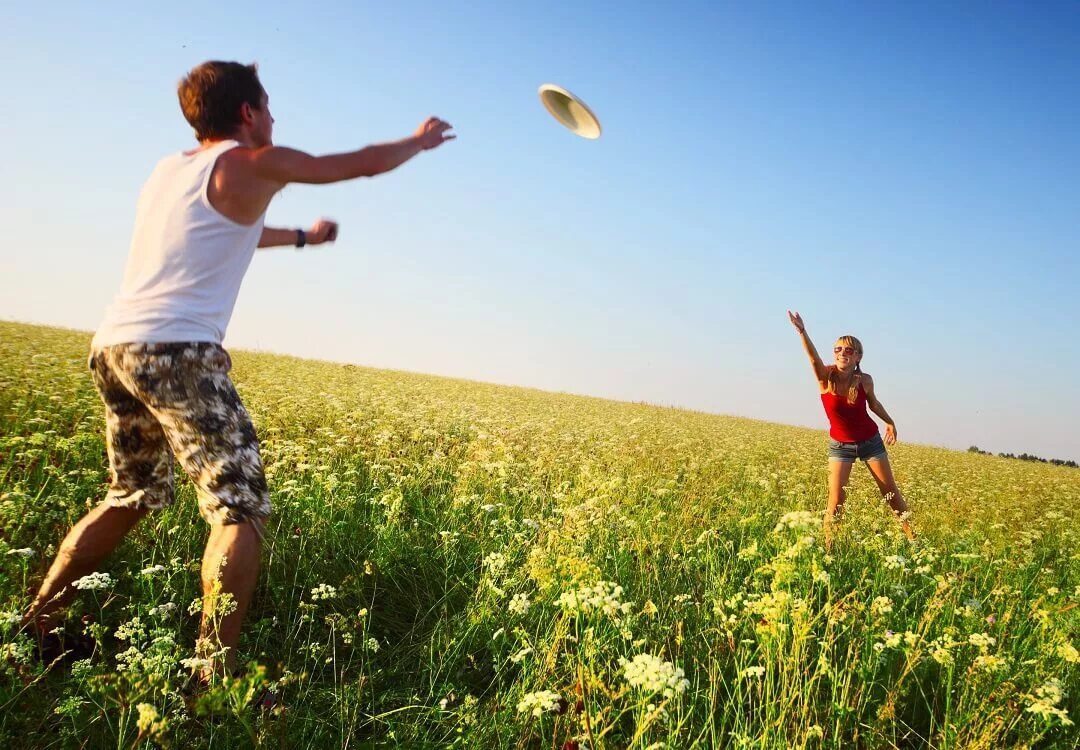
column 881, row 606
column 151, row 570
column 989, row 663
column 520, row 655
column 603, row 597
column 519, row 605
column 896, row 562
column 653, row 675
column 196, row 664
column 942, row 656
column 371, row 645
column 495, row 562
column 982, row 641
column 25, row 552
column 1068, row 652
column 756, row 671
column 163, row 609
column 148, row 716
column 800, row 519
column 1045, row 702
column 93, row 582
column 540, row 702
column 323, row 591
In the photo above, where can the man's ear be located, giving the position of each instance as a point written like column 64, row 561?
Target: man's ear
column 247, row 114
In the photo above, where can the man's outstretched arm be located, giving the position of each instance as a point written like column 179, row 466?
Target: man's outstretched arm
column 285, row 165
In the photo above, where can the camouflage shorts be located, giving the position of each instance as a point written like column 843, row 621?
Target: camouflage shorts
column 177, row 399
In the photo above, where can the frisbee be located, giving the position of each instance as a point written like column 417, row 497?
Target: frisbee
column 573, row 113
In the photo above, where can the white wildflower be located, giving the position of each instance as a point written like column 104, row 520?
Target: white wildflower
column 94, row 581
column 882, row 606
column 603, row 597
column 654, row 675
column 322, row 592
column 519, row 605
column 539, row 703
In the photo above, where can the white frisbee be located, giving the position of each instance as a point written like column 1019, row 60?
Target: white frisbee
column 573, row 113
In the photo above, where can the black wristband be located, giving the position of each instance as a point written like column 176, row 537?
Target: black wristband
column 301, row 238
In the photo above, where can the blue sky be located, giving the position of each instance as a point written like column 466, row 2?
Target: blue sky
column 903, row 172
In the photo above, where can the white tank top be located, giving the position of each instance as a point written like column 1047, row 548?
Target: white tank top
column 186, row 261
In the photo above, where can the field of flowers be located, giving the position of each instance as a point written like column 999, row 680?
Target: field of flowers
column 451, row 564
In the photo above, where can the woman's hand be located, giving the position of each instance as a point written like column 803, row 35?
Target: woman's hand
column 890, row 434
column 796, row 320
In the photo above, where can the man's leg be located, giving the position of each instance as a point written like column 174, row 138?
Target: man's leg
column 140, row 468
column 84, row 548
column 229, row 572
column 214, row 439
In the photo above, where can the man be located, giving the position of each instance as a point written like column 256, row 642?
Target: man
column 157, row 359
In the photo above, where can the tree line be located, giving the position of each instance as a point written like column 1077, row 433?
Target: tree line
column 1027, row 457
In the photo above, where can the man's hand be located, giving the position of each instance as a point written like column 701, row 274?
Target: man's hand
column 432, row 133
column 323, row 230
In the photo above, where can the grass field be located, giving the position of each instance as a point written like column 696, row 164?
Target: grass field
column 451, row 564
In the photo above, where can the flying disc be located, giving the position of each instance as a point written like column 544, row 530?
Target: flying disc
column 573, row 113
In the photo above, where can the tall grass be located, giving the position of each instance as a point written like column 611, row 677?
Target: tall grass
column 460, row 565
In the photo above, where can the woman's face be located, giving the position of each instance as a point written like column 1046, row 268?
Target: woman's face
column 846, row 356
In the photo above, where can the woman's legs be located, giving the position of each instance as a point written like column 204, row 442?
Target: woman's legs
column 881, row 470
column 839, row 472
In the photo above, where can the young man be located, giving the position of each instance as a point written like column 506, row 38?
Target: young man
column 157, row 359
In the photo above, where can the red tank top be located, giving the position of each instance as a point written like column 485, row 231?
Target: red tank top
column 848, row 423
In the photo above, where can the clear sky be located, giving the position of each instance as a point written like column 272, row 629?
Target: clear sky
column 905, row 172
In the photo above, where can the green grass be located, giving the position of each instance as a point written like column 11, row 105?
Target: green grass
column 473, row 537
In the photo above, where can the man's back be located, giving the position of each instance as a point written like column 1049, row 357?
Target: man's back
column 186, row 260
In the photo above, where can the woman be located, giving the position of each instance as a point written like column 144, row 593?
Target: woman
column 846, row 391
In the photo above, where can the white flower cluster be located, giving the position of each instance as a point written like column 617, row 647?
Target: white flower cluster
column 897, row 640
column 882, row 606
column 990, row 663
column 323, row 591
column 539, row 703
column 495, row 563
column 654, row 675
column 799, row 519
column 25, row 553
column 604, row 597
column 981, row 641
column 163, row 609
column 1068, row 652
column 519, row 605
column 1046, row 701
column 93, row 582
column 152, row 569
column 896, row 562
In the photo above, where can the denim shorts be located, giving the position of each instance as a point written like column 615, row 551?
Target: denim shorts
column 849, row 452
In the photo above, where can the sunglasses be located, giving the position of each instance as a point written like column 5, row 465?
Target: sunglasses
column 845, row 349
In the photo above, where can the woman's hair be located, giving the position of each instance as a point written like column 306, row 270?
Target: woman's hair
column 853, row 389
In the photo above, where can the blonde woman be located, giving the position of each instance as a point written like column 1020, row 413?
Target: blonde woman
column 846, row 392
